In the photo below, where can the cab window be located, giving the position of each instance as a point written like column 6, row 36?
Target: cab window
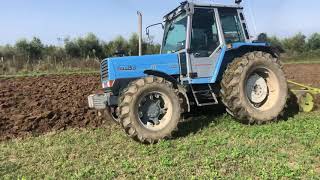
column 204, row 37
column 231, row 25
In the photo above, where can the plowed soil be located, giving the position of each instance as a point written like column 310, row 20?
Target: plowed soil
column 307, row 74
column 38, row 105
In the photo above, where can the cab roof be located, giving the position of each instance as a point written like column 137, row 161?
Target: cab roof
column 189, row 3
column 206, row 4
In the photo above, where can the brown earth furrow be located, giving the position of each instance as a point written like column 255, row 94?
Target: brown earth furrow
column 37, row 105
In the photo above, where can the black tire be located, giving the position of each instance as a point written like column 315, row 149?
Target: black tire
column 235, row 83
column 130, row 110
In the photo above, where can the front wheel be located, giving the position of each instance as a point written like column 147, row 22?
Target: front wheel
column 254, row 88
column 150, row 110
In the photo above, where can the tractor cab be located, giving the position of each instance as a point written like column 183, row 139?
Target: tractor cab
column 201, row 34
column 205, row 26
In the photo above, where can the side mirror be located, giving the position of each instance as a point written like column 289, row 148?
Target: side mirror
column 148, row 28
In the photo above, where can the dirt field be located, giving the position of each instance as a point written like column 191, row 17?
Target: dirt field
column 308, row 74
column 43, row 104
column 37, row 105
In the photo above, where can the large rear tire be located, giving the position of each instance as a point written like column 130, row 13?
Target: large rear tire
column 254, row 88
column 149, row 110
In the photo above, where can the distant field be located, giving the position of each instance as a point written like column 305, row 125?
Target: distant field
column 210, row 146
column 302, row 61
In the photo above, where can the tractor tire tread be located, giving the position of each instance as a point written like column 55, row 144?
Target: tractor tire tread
column 124, row 107
column 230, row 91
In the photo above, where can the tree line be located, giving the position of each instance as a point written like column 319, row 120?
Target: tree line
column 298, row 44
column 85, row 52
column 90, row 46
column 87, row 47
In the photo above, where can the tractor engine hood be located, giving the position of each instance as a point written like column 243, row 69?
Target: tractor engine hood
column 134, row 66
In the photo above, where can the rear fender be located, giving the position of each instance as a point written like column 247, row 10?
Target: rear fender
column 240, row 49
column 243, row 48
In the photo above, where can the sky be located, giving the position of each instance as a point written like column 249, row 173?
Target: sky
column 51, row 20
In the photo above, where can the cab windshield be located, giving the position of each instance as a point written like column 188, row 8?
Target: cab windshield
column 175, row 34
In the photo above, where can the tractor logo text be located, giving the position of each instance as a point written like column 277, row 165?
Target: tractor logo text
column 127, row 68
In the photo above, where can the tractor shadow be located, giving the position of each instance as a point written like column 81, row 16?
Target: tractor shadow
column 202, row 117
column 292, row 108
column 198, row 119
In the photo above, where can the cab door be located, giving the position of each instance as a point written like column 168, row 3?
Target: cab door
column 205, row 45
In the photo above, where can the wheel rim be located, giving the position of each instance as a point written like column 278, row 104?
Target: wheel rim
column 256, row 88
column 154, row 110
column 262, row 88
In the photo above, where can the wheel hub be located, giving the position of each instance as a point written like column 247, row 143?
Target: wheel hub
column 152, row 110
column 256, row 89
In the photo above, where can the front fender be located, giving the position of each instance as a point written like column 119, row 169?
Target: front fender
column 163, row 75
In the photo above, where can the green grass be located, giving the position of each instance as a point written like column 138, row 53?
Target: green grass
column 207, row 147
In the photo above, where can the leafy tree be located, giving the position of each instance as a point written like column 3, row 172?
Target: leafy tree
column 54, row 51
column 108, row 49
column 314, row 42
column 296, row 43
column 120, row 44
column 36, row 48
column 149, row 47
column 7, row 51
column 134, row 44
column 275, row 41
column 72, row 48
column 90, row 46
column 23, row 47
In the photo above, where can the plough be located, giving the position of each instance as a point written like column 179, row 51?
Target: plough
column 305, row 95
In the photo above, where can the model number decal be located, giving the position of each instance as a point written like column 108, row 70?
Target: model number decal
column 127, row 68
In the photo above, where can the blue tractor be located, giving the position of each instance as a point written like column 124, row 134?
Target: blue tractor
column 206, row 58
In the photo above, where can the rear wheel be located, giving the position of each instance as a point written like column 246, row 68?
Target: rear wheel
column 254, row 88
column 150, row 110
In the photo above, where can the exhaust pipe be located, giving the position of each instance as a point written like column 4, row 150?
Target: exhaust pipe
column 140, row 32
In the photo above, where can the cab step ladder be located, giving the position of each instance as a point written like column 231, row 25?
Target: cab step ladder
column 197, row 96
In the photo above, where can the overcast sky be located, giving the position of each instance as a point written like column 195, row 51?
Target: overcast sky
column 53, row 19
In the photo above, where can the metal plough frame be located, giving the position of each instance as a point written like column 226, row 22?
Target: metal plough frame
column 305, row 95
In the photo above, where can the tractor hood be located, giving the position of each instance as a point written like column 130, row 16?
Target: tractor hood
column 134, row 66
